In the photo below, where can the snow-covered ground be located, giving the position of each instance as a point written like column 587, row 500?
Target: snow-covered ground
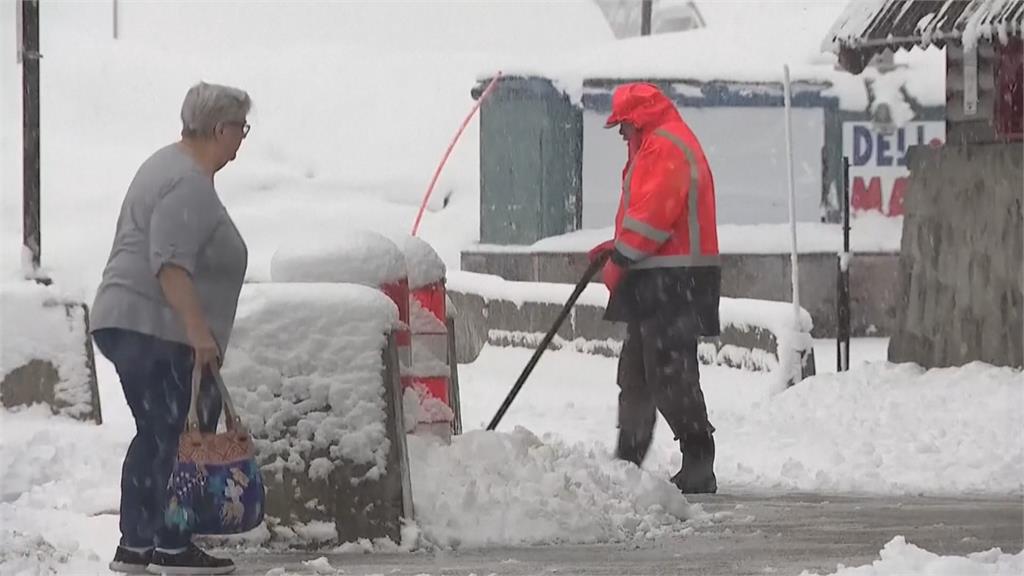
column 547, row 475
column 880, row 428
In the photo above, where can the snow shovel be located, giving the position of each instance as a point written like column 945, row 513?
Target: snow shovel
column 591, row 271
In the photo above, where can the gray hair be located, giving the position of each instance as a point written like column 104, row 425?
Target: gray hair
column 207, row 105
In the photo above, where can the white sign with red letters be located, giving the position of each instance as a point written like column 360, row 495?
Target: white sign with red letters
column 878, row 162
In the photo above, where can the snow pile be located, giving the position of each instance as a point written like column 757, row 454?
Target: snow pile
column 791, row 329
column 321, row 565
column 24, row 554
column 901, row 558
column 425, row 266
column 58, row 484
column 356, row 256
column 41, row 323
column 492, row 488
column 881, row 428
column 305, row 370
column 41, row 456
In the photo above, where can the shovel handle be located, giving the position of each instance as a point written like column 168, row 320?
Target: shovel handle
column 591, row 271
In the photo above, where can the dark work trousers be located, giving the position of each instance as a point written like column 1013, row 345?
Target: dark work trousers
column 658, row 369
column 156, row 376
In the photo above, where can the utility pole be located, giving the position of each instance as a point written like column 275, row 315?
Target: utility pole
column 645, row 17
column 29, row 51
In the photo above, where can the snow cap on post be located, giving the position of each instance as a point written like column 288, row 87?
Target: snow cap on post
column 424, row 265
column 355, row 257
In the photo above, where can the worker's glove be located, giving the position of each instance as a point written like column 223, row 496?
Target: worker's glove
column 601, row 249
column 612, row 275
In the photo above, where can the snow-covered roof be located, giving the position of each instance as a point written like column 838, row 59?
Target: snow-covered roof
column 872, row 25
column 743, row 42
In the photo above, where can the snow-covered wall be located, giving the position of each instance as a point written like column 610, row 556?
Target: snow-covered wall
column 756, row 334
column 39, row 323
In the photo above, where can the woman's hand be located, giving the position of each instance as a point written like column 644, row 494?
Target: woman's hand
column 205, row 346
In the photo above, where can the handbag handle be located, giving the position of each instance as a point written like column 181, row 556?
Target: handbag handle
column 231, row 418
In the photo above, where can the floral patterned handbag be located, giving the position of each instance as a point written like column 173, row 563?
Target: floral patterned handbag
column 216, row 486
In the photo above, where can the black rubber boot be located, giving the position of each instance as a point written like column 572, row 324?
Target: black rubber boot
column 633, row 445
column 697, row 475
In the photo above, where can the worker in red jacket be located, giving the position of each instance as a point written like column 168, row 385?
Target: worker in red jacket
column 664, row 281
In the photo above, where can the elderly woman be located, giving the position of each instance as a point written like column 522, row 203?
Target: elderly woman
column 168, row 299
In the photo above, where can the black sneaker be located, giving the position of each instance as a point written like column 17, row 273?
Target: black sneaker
column 130, row 562
column 191, row 560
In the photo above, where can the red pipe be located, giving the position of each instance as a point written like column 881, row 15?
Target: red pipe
column 448, row 152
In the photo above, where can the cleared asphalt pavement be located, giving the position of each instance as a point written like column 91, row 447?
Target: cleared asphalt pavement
column 747, row 535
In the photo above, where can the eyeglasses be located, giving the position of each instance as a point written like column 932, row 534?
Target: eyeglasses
column 243, row 125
